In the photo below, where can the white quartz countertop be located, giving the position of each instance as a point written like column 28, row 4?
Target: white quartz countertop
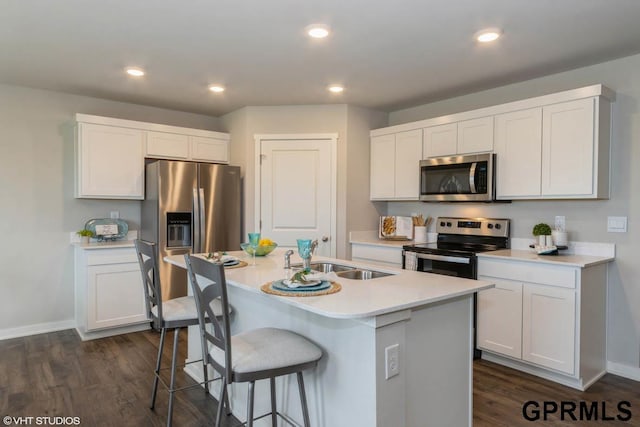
column 105, row 245
column 358, row 298
column 375, row 241
column 571, row 260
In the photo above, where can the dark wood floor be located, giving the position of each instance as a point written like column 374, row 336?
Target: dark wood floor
column 107, row 382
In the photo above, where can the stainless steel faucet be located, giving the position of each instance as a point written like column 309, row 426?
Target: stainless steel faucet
column 306, row 262
column 287, row 258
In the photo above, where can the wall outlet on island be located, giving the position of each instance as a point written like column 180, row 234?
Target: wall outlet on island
column 115, row 214
column 392, row 361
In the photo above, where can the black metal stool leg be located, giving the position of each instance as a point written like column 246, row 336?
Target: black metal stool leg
column 172, row 387
column 274, row 414
column 250, row 404
column 303, row 400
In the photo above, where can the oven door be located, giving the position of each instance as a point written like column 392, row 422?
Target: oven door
column 448, row 265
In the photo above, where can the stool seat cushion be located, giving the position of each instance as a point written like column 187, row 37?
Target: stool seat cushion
column 267, row 348
column 184, row 308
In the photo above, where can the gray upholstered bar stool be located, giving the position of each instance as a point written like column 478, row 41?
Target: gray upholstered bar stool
column 248, row 356
column 176, row 314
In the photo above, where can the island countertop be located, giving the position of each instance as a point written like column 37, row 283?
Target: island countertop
column 401, row 290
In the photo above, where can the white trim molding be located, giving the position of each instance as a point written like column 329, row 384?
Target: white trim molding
column 626, row 371
column 38, row 328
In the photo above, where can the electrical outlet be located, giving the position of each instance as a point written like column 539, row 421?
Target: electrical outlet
column 560, row 224
column 392, row 361
column 115, row 214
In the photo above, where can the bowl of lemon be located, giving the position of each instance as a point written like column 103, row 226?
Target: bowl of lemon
column 265, row 247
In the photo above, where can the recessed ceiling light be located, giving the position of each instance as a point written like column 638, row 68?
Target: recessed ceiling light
column 488, row 35
column 135, row 71
column 335, row 88
column 216, row 88
column 318, row 31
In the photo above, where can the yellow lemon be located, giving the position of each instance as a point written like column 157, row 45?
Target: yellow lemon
column 265, row 242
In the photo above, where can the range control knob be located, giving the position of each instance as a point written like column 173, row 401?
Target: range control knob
column 441, row 223
column 498, row 226
column 490, row 226
column 448, row 224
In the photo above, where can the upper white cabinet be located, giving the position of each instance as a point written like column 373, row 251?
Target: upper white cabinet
column 395, row 165
column 550, row 147
column 103, row 143
column 109, row 162
column 464, row 137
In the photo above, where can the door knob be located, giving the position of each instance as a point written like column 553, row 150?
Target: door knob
column 325, row 238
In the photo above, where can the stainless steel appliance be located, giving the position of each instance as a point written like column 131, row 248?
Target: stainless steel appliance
column 458, row 178
column 454, row 251
column 190, row 208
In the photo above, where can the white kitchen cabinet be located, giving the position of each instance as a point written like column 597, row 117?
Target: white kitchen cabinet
column 439, row 141
column 164, row 145
column 544, row 319
column 383, row 255
column 558, row 151
column 394, row 173
column 206, row 149
column 464, row 137
column 499, row 326
column 475, row 136
column 109, row 162
column 109, row 294
column 518, row 147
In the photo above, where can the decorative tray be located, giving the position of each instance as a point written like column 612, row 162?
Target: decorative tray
column 548, row 250
column 107, row 228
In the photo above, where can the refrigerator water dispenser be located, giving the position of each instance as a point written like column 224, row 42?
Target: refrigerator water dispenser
column 178, row 229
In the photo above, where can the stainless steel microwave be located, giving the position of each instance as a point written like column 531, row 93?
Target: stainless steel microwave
column 467, row 178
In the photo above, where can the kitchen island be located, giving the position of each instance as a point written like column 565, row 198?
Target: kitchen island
column 427, row 318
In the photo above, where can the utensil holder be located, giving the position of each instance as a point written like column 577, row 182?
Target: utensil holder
column 420, row 234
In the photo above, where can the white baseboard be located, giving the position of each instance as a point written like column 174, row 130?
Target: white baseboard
column 39, row 328
column 626, row 371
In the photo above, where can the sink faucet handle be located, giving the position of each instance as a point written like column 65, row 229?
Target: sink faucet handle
column 287, row 258
column 314, row 245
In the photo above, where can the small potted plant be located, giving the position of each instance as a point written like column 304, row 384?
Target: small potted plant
column 85, row 235
column 541, row 231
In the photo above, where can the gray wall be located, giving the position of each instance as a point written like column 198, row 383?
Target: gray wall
column 36, row 193
column 585, row 220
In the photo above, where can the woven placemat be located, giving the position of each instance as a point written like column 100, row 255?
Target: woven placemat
column 238, row 265
column 268, row 288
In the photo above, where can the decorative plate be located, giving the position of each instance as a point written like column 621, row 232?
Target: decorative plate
column 107, row 228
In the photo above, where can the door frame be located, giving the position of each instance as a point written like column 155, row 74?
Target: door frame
column 329, row 138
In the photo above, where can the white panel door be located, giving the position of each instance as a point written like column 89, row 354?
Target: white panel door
column 548, row 326
column 440, row 140
column 518, row 148
column 568, row 148
column 296, row 195
column 500, row 318
column 475, row 136
column 407, row 164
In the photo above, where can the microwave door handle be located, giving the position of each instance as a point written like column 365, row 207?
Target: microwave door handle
column 454, row 259
column 472, row 178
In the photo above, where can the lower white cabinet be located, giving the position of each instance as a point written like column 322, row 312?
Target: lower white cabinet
column 389, row 256
column 109, row 293
column 545, row 319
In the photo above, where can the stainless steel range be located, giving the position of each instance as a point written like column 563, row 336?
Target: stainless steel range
column 458, row 242
column 454, row 251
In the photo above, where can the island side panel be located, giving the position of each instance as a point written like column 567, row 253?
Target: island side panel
column 439, row 363
column 341, row 391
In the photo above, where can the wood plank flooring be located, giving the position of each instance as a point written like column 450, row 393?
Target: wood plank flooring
column 107, row 382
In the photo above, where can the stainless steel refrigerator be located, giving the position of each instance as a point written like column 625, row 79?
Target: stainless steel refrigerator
column 189, row 208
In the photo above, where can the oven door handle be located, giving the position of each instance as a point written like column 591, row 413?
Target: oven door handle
column 433, row 257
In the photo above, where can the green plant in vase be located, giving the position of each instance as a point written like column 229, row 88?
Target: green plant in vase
column 85, row 235
column 540, row 231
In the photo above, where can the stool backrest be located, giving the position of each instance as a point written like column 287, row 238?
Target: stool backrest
column 148, row 259
column 204, row 292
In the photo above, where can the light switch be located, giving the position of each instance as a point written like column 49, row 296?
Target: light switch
column 617, row 224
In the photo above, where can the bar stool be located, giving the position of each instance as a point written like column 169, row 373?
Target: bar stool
column 248, row 356
column 175, row 314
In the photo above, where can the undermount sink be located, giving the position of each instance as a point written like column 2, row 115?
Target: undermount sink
column 359, row 274
column 326, row 267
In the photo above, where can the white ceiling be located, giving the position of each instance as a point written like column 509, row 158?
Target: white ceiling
column 388, row 54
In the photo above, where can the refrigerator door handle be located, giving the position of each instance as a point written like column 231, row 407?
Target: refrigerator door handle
column 196, row 221
column 201, row 226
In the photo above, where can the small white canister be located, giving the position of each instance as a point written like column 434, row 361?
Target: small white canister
column 420, row 234
column 560, row 238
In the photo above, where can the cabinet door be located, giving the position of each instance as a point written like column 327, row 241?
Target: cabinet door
column 440, row 140
column 500, row 318
column 115, row 296
column 548, row 326
column 163, row 145
column 568, row 149
column 407, row 164
column 209, row 149
column 518, row 148
column 383, row 161
column 110, row 162
column 475, row 136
